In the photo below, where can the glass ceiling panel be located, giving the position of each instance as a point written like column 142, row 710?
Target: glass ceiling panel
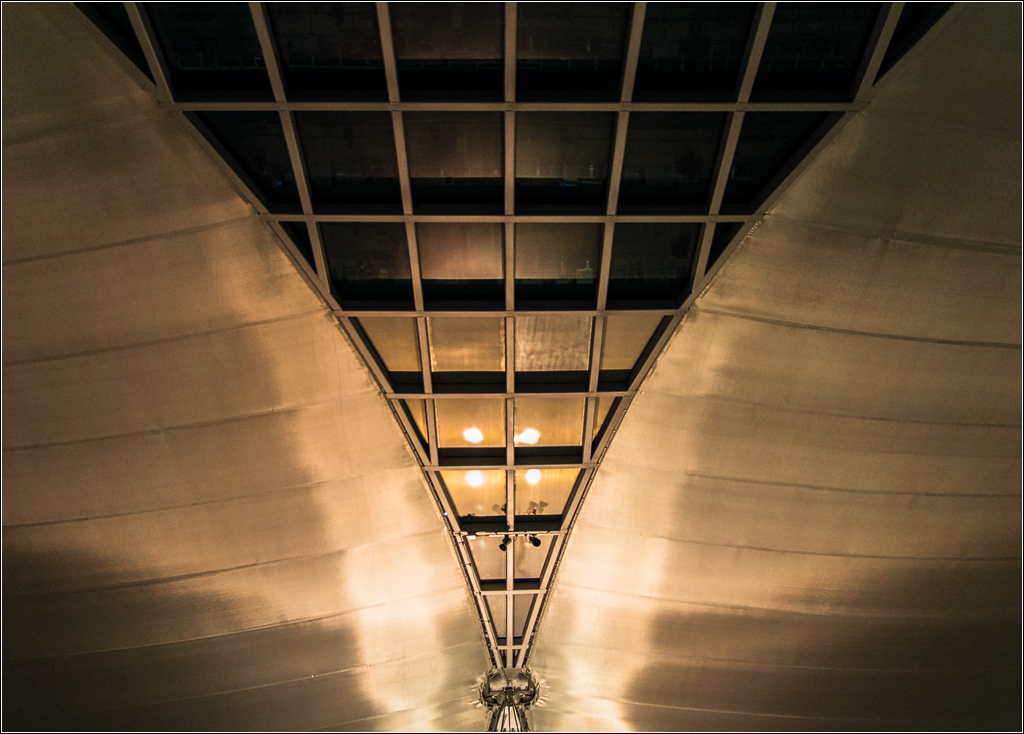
column 724, row 232
column 489, row 559
column 557, row 262
column 449, row 51
column 652, row 264
column 351, row 162
column 462, row 264
column 211, row 50
column 476, row 492
column 768, row 141
column 456, row 161
column 552, row 343
column 329, row 51
column 625, row 337
column 466, row 344
column 543, row 491
column 470, row 422
column 669, row 162
column 570, row 51
column 418, row 411
column 549, row 421
column 915, row 20
column 529, row 560
column 298, row 232
column 521, row 606
column 395, row 342
column 499, row 612
column 604, row 406
column 369, row 263
column 813, row 50
column 692, row 51
column 562, row 161
column 255, row 140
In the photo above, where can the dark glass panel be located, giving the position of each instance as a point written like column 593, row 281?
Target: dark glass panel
column 329, row 50
column 692, row 51
column 570, row 51
column 562, row 161
column 724, row 232
column 113, row 21
column 813, row 50
column 557, row 263
column 449, row 51
column 652, row 264
column 212, row 50
column 369, row 263
column 768, row 141
column 351, row 161
column 915, row 20
column 669, row 162
column 456, row 161
column 462, row 264
column 298, row 232
column 255, row 140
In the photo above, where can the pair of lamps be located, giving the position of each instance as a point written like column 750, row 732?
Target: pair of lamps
column 503, row 545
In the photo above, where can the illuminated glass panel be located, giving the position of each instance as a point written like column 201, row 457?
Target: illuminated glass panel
column 570, row 51
column 557, row 262
column 395, row 341
column 552, row 343
column 456, row 161
column 418, row 411
column 449, row 51
column 604, row 406
column 543, row 491
column 625, row 337
column 499, row 612
column 470, row 422
column 460, row 344
column 368, row 262
column 529, row 560
column 521, row 606
column 489, row 559
column 476, row 492
column 562, row 161
column 351, row 162
column 549, row 421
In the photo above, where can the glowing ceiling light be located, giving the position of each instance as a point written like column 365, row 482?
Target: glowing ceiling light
column 529, row 435
column 533, row 476
column 473, row 435
column 474, row 478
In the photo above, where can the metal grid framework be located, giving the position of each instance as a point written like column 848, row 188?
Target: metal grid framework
column 508, row 649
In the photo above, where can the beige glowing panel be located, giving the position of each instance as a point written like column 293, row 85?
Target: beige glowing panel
column 530, row 560
column 550, row 251
column 476, row 492
column 552, row 343
column 457, row 417
column 489, row 559
column 395, row 342
column 521, row 611
column 603, row 406
column 625, row 337
column 549, row 421
column 461, row 251
column 467, row 344
column 543, row 491
column 418, row 411
column 499, row 614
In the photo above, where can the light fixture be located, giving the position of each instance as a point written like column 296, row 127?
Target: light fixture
column 534, row 540
column 503, row 545
column 473, row 435
column 528, row 436
column 533, row 476
column 474, row 478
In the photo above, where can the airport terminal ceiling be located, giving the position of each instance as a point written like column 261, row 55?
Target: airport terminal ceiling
column 340, row 307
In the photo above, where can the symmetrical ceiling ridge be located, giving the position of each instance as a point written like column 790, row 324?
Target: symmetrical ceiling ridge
column 508, row 318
